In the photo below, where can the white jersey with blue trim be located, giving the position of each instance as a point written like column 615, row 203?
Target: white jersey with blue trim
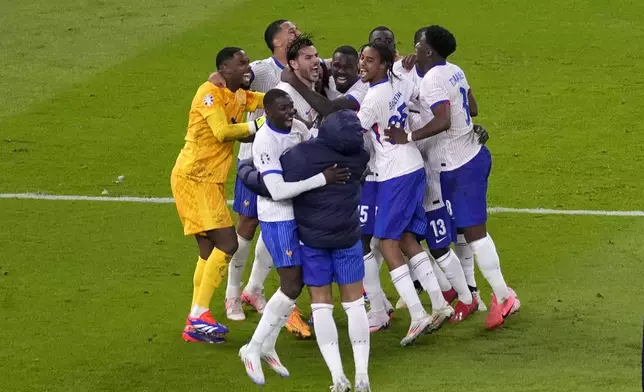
column 446, row 83
column 386, row 103
column 269, row 145
column 433, row 198
column 265, row 75
column 357, row 91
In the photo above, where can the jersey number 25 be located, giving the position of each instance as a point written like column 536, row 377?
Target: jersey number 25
column 400, row 117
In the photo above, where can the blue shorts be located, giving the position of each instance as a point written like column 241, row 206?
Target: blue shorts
column 321, row 267
column 440, row 230
column 465, row 190
column 400, row 206
column 282, row 243
column 367, row 209
column 245, row 202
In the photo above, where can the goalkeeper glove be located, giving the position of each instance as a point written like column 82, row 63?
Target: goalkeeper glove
column 254, row 126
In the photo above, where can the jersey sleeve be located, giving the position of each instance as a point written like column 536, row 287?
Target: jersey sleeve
column 261, row 76
column 266, row 156
column 433, row 92
column 367, row 114
column 254, row 101
column 357, row 94
column 210, row 104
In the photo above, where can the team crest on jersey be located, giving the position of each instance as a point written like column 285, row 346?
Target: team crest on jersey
column 264, row 158
column 246, row 203
column 208, row 100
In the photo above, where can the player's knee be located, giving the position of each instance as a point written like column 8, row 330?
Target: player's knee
column 246, row 226
column 229, row 247
column 438, row 253
column 292, row 288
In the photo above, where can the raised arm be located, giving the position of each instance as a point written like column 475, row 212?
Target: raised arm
column 320, row 103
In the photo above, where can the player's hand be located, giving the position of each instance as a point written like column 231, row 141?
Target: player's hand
column 288, row 76
column 409, row 61
column 217, row 79
column 335, row 175
column 482, row 134
column 256, row 124
column 395, row 135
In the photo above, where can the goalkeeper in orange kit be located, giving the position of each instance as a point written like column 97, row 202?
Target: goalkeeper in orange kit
column 198, row 182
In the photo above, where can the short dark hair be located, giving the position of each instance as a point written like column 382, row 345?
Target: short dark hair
column 272, row 95
column 381, row 28
column 419, row 34
column 348, row 50
column 293, row 49
column 385, row 53
column 225, row 54
column 441, row 40
column 271, row 31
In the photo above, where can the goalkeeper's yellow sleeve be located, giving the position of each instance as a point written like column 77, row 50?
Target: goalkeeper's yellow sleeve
column 225, row 132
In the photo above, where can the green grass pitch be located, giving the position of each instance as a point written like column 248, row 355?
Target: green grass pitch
column 93, row 295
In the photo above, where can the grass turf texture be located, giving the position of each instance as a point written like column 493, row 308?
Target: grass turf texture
column 95, row 294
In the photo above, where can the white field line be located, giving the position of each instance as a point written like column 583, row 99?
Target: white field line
column 169, row 200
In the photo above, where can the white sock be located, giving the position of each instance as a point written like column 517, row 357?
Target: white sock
column 236, row 268
column 488, row 261
column 271, row 339
column 372, row 285
column 423, row 269
column 375, row 249
column 278, row 307
column 359, row 335
column 196, row 311
column 326, row 334
column 405, row 288
column 440, row 275
column 464, row 252
column 261, row 267
column 451, row 265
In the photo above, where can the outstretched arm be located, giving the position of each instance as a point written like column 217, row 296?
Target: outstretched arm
column 320, row 103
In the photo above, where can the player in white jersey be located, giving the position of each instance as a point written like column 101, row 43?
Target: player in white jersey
column 345, row 90
column 265, row 74
column 277, row 223
column 440, row 233
column 400, row 181
column 447, row 104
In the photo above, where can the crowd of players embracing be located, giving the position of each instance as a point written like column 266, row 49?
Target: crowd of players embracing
column 344, row 163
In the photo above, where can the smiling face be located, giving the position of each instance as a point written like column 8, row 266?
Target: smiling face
column 307, row 64
column 280, row 113
column 344, row 69
column 371, row 67
column 237, row 69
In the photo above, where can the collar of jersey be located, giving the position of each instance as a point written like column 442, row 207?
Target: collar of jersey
column 386, row 79
column 277, row 62
column 418, row 72
column 270, row 126
column 441, row 63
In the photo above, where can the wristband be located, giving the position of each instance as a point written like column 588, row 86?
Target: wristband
column 409, row 139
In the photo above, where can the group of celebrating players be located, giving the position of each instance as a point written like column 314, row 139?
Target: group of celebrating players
column 344, row 163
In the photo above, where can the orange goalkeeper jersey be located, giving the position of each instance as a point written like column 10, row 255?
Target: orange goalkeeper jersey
column 213, row 125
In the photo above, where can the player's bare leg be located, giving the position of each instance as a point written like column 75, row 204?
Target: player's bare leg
column 419, row 262
column 216, row 247
column 245, row 232
column 399, row 271
column 504, row 300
